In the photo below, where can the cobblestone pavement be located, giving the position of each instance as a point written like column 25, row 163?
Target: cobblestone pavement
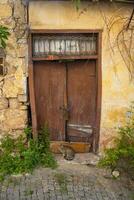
column 67, row 182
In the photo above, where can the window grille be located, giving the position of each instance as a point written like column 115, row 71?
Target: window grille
column 64, row 45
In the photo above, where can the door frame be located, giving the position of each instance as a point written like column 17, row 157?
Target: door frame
column 97, row 57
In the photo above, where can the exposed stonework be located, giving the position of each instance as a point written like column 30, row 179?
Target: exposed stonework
column 5, row 10
column 15, row 119
column 13, row 84
column 13, row 103
column 3, row 103
column 22, row 98
column 13, row 97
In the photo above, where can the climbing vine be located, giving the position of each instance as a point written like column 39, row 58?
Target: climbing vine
column 123, row 42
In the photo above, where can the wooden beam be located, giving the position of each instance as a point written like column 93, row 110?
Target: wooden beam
column 31, row 90
column 98, row 97
column 56, row 31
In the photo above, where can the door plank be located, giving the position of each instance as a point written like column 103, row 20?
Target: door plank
column 49, row 93
column 81, row 99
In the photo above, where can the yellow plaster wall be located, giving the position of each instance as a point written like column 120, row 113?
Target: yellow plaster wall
column 117, row 90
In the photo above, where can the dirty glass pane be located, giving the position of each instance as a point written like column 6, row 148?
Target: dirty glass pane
column 64, row 45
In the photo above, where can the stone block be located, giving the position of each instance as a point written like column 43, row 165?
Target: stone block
column 23, row 107
column 13, row 103
column 3, row 1
column 3, row 103
column 15, row 119
column 9, row 88
column 19, row 11
column 22, row 51
column 2, row 118
column 22, row 98
column 5, row 10
column 14, row 84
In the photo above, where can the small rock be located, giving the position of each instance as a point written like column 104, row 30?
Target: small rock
column 115, row 174
column 23, row 107
column 91, row 160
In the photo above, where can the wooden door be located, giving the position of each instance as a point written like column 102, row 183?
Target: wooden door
column 66, row 98
column 81, row 100
column 49, row 96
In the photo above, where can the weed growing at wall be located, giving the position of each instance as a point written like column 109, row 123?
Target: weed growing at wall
column 4, row 34
column 23, row 155
column 122, row 155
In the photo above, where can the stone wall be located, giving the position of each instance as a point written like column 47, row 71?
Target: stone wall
column 13, row 85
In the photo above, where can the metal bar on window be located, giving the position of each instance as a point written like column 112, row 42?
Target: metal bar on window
column 64, row 45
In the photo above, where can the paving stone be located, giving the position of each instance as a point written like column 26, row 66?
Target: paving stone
column 80, row 184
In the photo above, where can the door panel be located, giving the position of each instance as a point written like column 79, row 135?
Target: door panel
column 50, row 95
column 81, row 100
column 62, row 88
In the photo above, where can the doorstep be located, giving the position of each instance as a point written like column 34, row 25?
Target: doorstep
column 78, row 147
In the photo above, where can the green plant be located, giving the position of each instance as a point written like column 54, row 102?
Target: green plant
column 44, row 139
column 17, row 156
column 122, row 155
column 47, row 159
column 28, row 132
column 7, row 144
column 4, row 33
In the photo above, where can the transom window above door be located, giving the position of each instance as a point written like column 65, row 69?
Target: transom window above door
column 61, row 45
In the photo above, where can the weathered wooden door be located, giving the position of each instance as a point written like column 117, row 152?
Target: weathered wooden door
column 81, row 100
column 65, row 95
column 49, row 95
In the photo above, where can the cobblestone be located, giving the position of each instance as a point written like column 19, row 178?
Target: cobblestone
column 67, row 182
